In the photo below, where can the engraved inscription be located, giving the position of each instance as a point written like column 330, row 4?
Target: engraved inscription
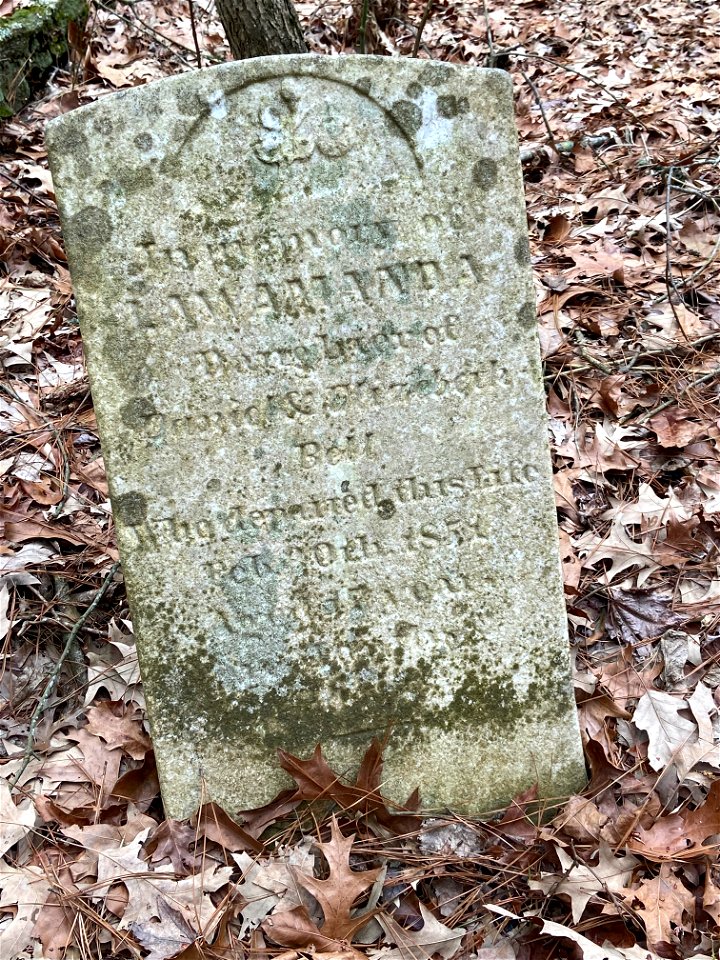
column 383, row 499
column 349, row 447
column 293, row 295
column 328, row 348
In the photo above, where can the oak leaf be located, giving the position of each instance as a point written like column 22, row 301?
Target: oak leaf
column 711, row 896
column 140, row 785
column 432, row 938
column 270, row 884
column 25, row 891
column 664, row 900
column 171, row 840
column 15, row 821
column 618, row 547
column 148, row 889
column 650, row 511
column 588, row 948
column 167, row 935
column 294, row 928
column 681, row 835
column 54, row 927
column 115, row 669
column 119, row 726
column 637, row 615
column 581, row 819
column 674, row 739
column 581, row 882
column 676, row 428
column 343, row 887
column 625, row 680
column 256, row 821
column 317, row 781
column 518, row 823
column 212, row 822
column 100, row 763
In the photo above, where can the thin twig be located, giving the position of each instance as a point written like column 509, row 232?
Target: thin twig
column 578, row 73
column 363, row 24
column 538, row 100
column 566, row 147
column 423, row 21
column 593, row 362
column 491, row 45
column 15, row 183
column 624, row 365
column 140, row 25
column 708, row 260
column 669, row 282
column 193, row 27
column 643, row 418
column 55, row 675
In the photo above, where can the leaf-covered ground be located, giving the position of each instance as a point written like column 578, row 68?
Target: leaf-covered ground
column 618, row 107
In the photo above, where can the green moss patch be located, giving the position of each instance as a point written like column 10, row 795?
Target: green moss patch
column 32, row 39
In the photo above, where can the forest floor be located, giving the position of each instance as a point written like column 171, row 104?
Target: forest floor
column 618, row 108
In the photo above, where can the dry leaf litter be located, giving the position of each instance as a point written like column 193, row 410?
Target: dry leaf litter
column 618, row 109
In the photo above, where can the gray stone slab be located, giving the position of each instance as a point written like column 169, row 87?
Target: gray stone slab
column 305, row 293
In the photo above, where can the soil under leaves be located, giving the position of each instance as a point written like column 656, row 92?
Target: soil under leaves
column 618, row 108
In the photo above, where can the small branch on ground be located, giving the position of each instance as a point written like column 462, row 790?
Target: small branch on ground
column 423, row 23
column 362, row 30
column 538, row 100
column 488, row 29
column 705, row 378
column 138, row 24
column 55, row 675
column 566, row 147
column 193, row 27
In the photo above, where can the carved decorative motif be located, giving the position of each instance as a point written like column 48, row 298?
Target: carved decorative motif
column 290, row 133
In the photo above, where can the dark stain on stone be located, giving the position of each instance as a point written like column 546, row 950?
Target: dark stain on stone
column 191, row 104
column 485, row 173
column 499, row 84
column 76, row 142
column 522, row 251
column 413, row 89
column 191, row 687
column 144, row 141
column 449, row 105
column 364, row 84
column 435, row 74
column 92, row 226
column 104, row 125
column 137, row 410
column 408, row 114
column 129, row 181
column 386, row 509
column 130, row 508
column 527, row 315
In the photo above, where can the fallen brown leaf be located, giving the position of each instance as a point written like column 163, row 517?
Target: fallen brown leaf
column 343, row 887
column 213, row 822
column 681, row 835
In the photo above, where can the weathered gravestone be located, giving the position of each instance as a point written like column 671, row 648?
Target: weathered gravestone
column 305, row 292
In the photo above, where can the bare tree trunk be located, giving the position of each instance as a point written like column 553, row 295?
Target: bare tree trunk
column 259, row 28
